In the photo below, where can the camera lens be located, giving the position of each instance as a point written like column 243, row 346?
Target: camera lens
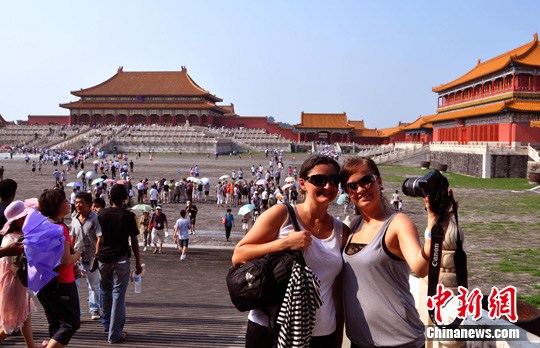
column 411, row 187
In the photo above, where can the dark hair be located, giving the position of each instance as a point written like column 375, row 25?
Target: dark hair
column 8, row 187
column 183, row 213
column 100, row 202
column 50, row 201
column 313, row 161
column 118, row 195
column 229, row 210
column 352, row 165
column 85, row 196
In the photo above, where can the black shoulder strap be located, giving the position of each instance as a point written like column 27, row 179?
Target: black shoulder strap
column 435, row 257
column 292, row 214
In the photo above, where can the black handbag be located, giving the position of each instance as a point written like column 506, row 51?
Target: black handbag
column 261, row 282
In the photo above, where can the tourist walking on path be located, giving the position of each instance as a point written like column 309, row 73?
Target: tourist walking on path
column 119, row 228
column 16, row 306
column 144, row 223
column 140, row 191
column 8, row 189
column 228, row 222
column 320, row 239
column 245, row 223
column 379, row 255
column 192, row 210
column 85, row 229
column 159, row 225
column 59, row 298
column 98, row 204
column 154, row 195
column 395, row 200
column 181, row 234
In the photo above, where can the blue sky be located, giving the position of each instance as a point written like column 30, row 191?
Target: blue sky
column 375, row 60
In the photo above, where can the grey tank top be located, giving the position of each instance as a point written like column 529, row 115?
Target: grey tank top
column 378, row 305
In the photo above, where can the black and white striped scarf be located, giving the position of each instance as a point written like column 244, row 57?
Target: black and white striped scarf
column 297, row 312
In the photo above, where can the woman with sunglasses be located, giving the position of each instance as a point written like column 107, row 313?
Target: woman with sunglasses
column 378, row 257
column 320, row 239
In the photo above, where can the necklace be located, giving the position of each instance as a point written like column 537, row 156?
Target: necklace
column 317, row 229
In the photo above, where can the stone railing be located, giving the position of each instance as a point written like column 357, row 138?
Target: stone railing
column 399, row 154
column 533, row 153
column 478, row 148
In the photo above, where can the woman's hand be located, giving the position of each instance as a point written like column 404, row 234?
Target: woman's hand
column 433, row 218
column 300, row 240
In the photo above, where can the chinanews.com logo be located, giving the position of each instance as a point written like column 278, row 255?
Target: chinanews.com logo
column 501, row 303
column 475, row 333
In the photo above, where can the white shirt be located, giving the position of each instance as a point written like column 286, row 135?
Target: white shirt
column 324, row 258
column 153, row 194
column 183, row 226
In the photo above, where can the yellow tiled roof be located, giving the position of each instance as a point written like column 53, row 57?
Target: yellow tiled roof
column 512, row 104
column 421, row 122
column 135, row 105
column 528, row 54
column 357, row 124
column 147, row 83
column 372, row 133
column 524, row 105
column 229, row 108
column 388, row 132
column 324, row 121
column 470, row 112
column 377, row 133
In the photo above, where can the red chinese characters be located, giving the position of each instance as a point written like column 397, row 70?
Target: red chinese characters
column 503, row 302
column 500, row 303
column 469, row 303
column 438, row 301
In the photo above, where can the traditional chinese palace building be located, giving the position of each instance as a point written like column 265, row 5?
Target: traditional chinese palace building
column 162, row 97
column 496, row 101
column 327, row 128
column 337, row 128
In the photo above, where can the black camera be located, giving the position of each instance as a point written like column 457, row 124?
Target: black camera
column 433, row 185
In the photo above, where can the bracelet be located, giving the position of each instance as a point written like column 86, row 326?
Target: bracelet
column 424, row 256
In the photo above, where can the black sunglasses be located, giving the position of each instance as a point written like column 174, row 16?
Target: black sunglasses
column 364, row 182
column 320, row 180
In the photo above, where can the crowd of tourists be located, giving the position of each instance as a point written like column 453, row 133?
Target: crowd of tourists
column 100, row 239
column 99, row 243
column 381, row 247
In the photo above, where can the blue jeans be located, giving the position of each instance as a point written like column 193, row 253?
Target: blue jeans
column 114, row 283
column 92, row 280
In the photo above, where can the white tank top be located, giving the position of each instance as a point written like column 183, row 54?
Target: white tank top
column 324, row 258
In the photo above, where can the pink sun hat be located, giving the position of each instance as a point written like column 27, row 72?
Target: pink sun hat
column 16, row 210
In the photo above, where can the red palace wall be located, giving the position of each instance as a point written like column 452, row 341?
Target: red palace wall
column 503, row 133
column 526, row 134
column 48, row 120
column 252, row 122
column 399, row 137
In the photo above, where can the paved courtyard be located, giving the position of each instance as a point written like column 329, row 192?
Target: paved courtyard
column 182, row 304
